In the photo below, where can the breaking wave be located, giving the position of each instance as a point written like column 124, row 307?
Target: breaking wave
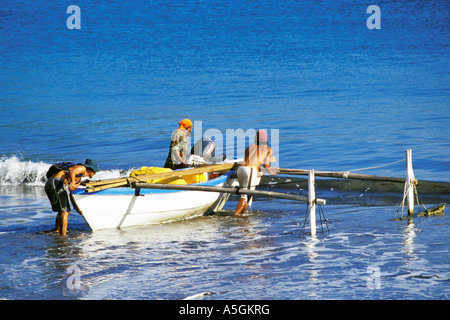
column 15, row 171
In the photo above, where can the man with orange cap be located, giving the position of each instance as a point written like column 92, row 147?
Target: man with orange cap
column 179, row 146
column 248, row 173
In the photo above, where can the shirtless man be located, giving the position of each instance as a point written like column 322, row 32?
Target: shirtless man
column 54, row 188
column 248, row 174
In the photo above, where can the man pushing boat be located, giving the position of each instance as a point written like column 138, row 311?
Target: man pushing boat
column 60, row 175
column 248, row 173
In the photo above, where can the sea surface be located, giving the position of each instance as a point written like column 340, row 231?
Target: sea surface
column 333, row 94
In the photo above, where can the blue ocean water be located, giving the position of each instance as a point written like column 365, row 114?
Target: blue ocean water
column 341, row 95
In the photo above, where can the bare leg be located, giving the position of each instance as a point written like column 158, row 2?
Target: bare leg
column 61, row 223
column 58, row 222
column 241, row 207
column 65, row 221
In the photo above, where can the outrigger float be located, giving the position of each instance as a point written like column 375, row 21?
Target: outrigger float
column 132, row 201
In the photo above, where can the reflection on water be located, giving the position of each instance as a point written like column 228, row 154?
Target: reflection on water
column 260, row 255
column 409, row 236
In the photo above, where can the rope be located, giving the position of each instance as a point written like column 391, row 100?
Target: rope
column 383, row 165
column 321, row 216
column 322, row 219
column 308, row 209
column 402, row 204
column 419, row 202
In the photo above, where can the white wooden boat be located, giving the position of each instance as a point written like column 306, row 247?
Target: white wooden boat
column 123, row 207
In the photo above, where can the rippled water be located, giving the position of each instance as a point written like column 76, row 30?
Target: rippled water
column 342, row 97
column 263, row 255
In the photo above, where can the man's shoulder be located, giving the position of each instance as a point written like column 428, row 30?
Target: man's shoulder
column 263, row 147
column 77, row 168
column 178, row 133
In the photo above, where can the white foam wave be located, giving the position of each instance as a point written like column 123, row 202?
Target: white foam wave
column 14, row 171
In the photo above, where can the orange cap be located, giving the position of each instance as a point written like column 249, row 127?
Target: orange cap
column 185, row 123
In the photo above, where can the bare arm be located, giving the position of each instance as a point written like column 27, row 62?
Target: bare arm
column 77, row 170
column 266, row 164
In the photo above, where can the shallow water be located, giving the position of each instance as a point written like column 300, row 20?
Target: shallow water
column 343, row 97
column 223, row 256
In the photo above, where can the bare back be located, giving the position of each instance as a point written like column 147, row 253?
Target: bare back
column 257, row 155
column 75, row 174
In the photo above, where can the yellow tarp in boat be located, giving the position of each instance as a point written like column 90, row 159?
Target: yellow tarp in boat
column 194, row 178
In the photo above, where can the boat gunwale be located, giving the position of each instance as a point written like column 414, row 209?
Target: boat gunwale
column 127, row 191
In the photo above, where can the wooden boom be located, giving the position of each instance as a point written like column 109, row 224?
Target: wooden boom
column 189, row 187
column 343, row 175
column 93, row 186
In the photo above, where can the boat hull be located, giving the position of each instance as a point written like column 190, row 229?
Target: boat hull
column 122, row 207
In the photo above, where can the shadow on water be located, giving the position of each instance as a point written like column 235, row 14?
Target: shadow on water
column 364, row 193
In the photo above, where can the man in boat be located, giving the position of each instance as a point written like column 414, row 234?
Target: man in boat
column 179, row 146
column 248, row 173
column 57, row 194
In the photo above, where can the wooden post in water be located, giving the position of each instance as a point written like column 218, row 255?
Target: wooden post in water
column 410, row 182
column 312, row 202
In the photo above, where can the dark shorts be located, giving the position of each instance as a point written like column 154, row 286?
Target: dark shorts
column 54, row 188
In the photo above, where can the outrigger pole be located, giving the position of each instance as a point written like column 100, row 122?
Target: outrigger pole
column 189, row 187
column 409, row 181
column 312, row 202
column 310, row 199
